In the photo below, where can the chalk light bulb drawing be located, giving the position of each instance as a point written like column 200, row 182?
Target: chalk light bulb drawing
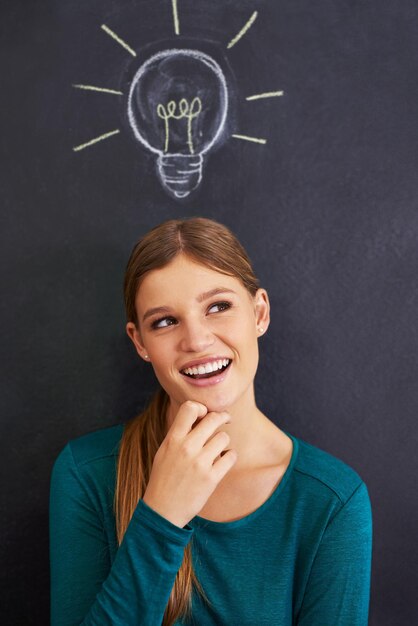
column 177, row 107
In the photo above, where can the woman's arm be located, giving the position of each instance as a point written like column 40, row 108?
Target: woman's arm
column 338, row 588
column 85, row 588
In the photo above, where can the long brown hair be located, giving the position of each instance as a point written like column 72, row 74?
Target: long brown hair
column 212, row 244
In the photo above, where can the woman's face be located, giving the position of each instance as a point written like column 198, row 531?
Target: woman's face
column 195, row 325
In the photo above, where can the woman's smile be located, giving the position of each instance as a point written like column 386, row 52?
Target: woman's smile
column 207, row 379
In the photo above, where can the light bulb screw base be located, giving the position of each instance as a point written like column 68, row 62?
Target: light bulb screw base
column 180, row 173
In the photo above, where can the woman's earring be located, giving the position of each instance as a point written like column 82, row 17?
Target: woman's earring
column 146, row 356
column 261, row 329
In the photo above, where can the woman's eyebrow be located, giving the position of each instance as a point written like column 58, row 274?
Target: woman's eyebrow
column 200, row 298
column 213, row 292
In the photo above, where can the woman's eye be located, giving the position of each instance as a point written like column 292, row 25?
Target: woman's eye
column 224, row 305
column 157, row 323
column 164, row 322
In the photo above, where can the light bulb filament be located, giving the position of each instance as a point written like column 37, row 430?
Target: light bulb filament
column 186, row 110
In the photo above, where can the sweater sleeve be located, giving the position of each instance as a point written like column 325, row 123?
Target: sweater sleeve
column 338, row 588
column 86, row 589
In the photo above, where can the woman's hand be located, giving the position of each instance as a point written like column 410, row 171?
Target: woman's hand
column 184, row 472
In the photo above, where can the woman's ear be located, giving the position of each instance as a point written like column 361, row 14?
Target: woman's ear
column 135, row 336
column 262, row 310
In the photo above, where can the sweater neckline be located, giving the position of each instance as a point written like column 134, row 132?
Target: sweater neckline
column 202, row 522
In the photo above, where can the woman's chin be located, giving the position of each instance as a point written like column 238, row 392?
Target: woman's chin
column 214, row 402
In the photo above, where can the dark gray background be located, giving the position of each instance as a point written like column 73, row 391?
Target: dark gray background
column 327, row 210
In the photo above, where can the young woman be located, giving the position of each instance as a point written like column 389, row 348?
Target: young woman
column 201, row 510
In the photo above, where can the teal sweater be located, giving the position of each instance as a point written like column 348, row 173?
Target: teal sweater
column 303, row 558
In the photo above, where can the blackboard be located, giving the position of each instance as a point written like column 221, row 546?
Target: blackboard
column 320, row 184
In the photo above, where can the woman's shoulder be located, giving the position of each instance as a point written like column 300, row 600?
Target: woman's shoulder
column 325, row 471
column 93, row 446
column 83, row 478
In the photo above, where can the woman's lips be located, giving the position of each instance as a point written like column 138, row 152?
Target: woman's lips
column 207, row 382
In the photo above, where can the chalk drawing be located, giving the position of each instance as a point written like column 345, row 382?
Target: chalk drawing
column 118, row 39
column 255, row 139
column 177, row 107
column 176, row 18
column 186, row 111
column 95, row 140
column 101, row 89
column 268, row 94
column 243, row 30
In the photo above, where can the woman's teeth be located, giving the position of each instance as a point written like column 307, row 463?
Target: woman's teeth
column 208, row 368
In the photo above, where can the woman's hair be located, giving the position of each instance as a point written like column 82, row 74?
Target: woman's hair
column 211, row 244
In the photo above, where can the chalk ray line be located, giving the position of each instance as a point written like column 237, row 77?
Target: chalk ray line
column 267, row 94
column 255, row 139
column 95, row 140
column 176, row 17
column 118, row 39
column 243, row 30
column 101, row 89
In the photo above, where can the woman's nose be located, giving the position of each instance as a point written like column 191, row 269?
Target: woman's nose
column 196, row 336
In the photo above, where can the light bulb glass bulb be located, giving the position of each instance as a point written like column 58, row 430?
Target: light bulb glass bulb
column 177, row 107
